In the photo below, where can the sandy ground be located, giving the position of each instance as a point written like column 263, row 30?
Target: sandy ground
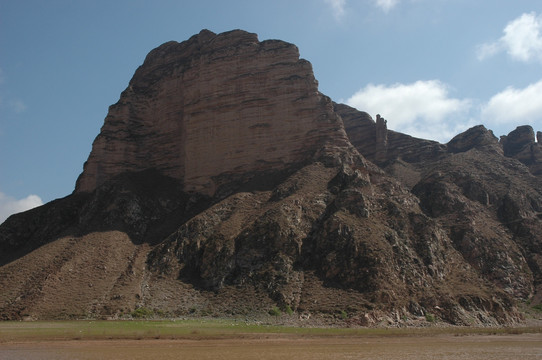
column 471, row 347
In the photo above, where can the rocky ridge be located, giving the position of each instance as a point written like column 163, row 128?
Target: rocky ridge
column 223, row 183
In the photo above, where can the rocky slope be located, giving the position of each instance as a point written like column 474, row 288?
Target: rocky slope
column 486, row 193
column 223, row 183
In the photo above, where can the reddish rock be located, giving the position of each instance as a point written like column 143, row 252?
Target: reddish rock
column 475, row 137
column 380, row 145
column 222, row 183
column 520, row 144
column 381, row 138
column 518, row 140
column 211, row 108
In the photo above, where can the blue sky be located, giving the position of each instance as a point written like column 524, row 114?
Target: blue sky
column 432, row 68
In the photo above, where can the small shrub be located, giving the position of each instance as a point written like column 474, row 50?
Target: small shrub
column 288, row 310
column 430, row 317
column 275, row 311
column 344, row 315
column 142, row 312
column 538, row 307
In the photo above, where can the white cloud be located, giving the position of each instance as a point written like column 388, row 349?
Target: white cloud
column 386, row 5
column 514, row 106
column 9, row 205
column 521, row 40
column 338, row 7
column 423, row 109
column 485, row 51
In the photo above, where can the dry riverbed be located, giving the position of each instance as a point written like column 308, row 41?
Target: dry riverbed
column 227, row 340
column 475, row 347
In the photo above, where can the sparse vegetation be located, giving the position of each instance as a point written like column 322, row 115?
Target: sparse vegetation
column 275, row 311
column 288, row 310
column 142, row 313
column 430, row 318
column 537, row 307
column 344, row 315
column 160, row 313
column 210, row 328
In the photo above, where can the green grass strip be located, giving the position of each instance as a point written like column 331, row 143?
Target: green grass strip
column 211, row 328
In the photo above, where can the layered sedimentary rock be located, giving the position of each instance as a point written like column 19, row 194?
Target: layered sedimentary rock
column 381, row 145
column 223, row 183
column 395, row 152
column 214, row 107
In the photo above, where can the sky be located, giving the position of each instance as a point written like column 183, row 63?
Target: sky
column 432, row 68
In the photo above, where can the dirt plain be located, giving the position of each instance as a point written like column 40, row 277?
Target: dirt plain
column 479, row 347
column 224, row 339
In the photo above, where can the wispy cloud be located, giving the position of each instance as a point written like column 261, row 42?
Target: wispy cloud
column 514, row 106
column 338, row 8
column 522, row 40
column 10, row 205
column 12, row 104
column 423, row 109
column 17, row 105
column 386, row 5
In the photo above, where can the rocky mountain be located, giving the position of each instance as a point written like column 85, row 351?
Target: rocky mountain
column 223, row 183
column 213, row 109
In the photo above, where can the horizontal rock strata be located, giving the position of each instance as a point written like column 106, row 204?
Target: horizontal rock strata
column 214, row 105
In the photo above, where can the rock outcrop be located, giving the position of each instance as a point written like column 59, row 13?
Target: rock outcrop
column 477, row 137
column 383, row 146
column 213, row 110
column 223, row 183
column 520, row 144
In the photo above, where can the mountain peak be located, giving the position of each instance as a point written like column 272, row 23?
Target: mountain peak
column 475, row 137
column 213, row 109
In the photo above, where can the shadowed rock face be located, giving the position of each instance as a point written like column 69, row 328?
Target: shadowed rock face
column 213, row 108
column 380, row 145
column 476, row 137
column 223, row 182
column 520, row 144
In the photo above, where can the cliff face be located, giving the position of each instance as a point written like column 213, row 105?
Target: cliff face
column 212, row 109
column 223, row 183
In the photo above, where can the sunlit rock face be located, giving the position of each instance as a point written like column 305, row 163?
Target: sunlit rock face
column 214, row 108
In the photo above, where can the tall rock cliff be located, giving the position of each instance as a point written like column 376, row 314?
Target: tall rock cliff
column 224, row 183
column 212, row 109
